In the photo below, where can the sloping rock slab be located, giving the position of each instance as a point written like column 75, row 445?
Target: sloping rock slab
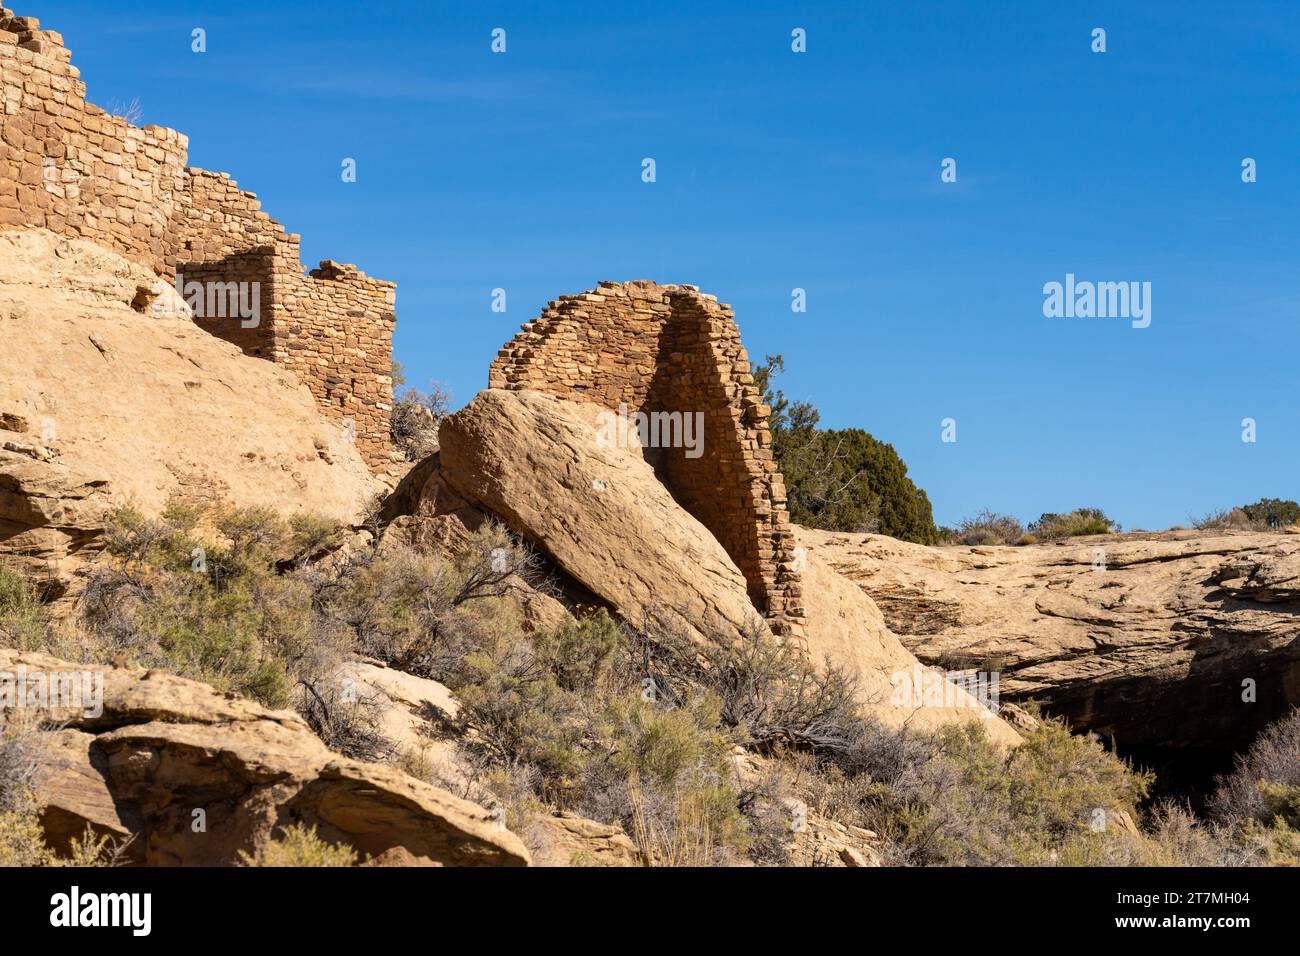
column 1170, row 639
column 595, row 508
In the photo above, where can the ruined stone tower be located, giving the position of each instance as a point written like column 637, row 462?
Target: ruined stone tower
column 82, row 173
column 669, row 348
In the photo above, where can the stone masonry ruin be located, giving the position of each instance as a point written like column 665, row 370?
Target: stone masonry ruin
column 81, row 173
column 670, row 349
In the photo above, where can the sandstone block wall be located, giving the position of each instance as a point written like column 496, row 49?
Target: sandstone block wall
column 333, row 326
column 669, row 348
column 67, row 166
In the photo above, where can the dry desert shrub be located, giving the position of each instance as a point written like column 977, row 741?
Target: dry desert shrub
column 415, row 419
column 1262, row 793
column 990, row 528
column 1273, row 758
column 1079, row 522
column 987, row 528
column 636, row 725
column 269, row 607
column 299, row 846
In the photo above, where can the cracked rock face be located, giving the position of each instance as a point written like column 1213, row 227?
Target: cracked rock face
column 1155, row 638
column 193, row 777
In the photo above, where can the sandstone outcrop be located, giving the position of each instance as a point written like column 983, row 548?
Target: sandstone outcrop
column 194, row 777
column 567, row 839
column 597, row 509
column 1154, row 638
column 845, row 628
column 110, row 394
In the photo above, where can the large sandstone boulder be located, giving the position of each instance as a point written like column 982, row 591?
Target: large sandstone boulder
column 110, row 393
column 1158, row 639
column 547, row 469
column 594, row 506
column 193, row 777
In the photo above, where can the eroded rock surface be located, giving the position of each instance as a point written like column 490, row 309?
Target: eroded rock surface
column 1155, row 638
column 110, row 393
column 193, row 777
column 845, row 627
column 567, row 839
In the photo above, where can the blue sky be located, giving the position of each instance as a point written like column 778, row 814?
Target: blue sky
column 820, row 170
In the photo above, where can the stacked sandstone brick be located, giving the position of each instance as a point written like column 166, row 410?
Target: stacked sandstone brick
column 668, row 348
column 333, row 327
column 69, row 167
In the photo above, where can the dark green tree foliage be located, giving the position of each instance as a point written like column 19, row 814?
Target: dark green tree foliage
column 1273, row 512
column 841, row 479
